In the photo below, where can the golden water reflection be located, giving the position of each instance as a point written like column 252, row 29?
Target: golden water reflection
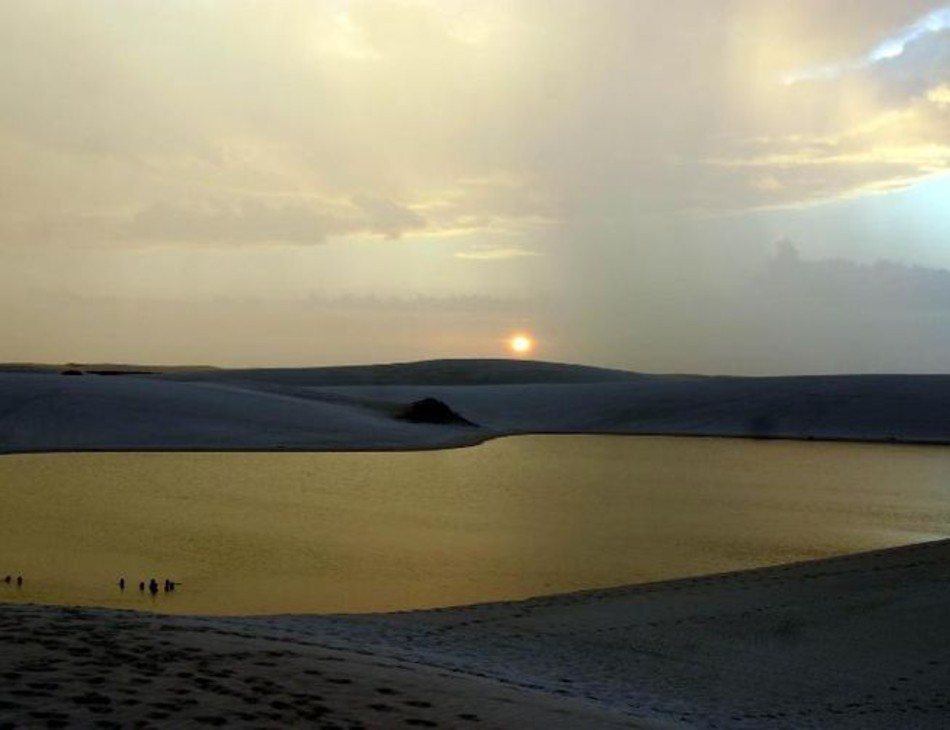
column 270, row 533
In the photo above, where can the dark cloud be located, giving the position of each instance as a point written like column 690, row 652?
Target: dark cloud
column 882, row 285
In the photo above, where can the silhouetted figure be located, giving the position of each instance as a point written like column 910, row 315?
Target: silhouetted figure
column 167, row 584
column 19, row 581
column 171, row 585
column 7, row 579
column 121, row 584
column 153, row 586
column 142, row 586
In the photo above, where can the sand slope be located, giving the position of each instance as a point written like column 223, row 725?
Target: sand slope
column 87, row 668
column 854, row 642
column 859, row 641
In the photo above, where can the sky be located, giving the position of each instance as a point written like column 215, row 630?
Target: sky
column 707, row 186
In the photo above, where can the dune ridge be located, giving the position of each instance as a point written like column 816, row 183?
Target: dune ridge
column 318, row 409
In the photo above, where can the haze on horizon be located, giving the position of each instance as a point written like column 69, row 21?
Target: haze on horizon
column 718, row 186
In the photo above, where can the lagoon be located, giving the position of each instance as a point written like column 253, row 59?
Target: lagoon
column 252, row 533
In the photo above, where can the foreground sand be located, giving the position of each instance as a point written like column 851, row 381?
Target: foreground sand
column 855, row 642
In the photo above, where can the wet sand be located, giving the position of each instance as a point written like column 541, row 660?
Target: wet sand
column 860, row 641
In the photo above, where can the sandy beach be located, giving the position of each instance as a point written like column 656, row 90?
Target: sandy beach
column 853, row 642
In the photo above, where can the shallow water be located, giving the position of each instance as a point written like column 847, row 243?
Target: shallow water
column 515, row 517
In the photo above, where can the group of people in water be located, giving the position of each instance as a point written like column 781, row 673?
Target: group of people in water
column 152, row 586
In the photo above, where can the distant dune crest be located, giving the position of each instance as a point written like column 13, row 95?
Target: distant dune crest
column 428, row 372
column 364, row 407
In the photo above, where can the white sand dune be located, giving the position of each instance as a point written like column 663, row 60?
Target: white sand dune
column 855, row 642
column 353, row 408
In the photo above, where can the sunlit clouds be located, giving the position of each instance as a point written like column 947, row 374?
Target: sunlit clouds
column 621, row 170
column 939, row 95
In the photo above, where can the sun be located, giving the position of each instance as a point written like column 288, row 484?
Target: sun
column 521, row 344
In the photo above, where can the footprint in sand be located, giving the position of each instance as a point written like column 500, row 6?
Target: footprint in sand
column 43, row 685
column 211, row 720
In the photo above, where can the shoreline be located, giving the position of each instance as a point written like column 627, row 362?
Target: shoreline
column 470, row 443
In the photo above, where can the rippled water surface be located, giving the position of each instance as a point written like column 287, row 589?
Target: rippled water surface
column 269, row 533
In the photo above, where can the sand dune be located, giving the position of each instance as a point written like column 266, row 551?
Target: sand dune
column 855, row 642
column 828, row 644
column 354, row 408
column 88, row 668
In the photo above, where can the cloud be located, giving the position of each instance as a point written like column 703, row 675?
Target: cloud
column 265, row 221
column 495, row 254
column 892, row 47
column 575, row 144
column 500, row 203
column 882, row 151
column 387, row 217
column 871, row 123
column 934, row 22
column 939, row 95
column 767, row 183
column 884, row 284
column 246, row 222
column 543, row 115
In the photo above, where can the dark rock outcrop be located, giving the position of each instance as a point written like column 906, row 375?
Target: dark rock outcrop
column 432, row 410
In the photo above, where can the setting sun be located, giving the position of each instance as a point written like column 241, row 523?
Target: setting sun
column 521, row 344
